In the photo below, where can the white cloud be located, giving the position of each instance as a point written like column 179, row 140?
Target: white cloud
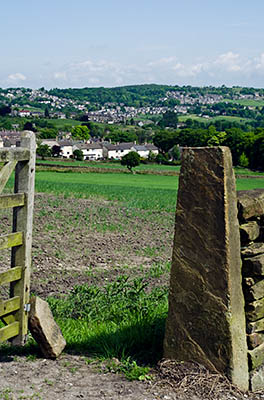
column 229, row 61
column 230, row 68
column 60, row 75
column 260, row 62
column 16, row 77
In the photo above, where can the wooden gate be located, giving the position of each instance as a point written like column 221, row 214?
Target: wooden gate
column 14, row 310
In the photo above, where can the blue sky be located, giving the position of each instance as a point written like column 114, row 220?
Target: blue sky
column 84, row 43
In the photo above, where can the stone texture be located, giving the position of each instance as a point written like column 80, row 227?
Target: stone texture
column 250, row 203
column 257, row 379
column 253, row 265
column 255, row 310
column 206, row 320
column 249, row 231
column 44, row 329
column 255, row 339
column 254, row 291
column 253, row 250
column 256, row 356
column 256, row 326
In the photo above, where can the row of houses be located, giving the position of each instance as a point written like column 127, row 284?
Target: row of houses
column 101, row 150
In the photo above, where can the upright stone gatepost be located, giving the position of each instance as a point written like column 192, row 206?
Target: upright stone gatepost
column 206, row 321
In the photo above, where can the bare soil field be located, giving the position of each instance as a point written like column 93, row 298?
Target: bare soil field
column 78, row 241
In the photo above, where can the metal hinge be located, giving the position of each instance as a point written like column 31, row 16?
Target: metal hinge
column 27, row 307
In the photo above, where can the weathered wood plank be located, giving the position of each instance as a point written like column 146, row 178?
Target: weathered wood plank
column 11, row 275
column 14, row 154
column 23, row 221
column 8, row 319
column 9, row 331
column 12, row 200
column 8, row 306
column 11, row 240
column 5, row 173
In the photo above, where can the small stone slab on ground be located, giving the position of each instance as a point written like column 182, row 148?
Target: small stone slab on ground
column 44, row 329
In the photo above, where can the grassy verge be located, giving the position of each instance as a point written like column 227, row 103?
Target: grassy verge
column 119, row 320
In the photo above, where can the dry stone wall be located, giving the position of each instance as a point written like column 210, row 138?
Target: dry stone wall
column 251, row 220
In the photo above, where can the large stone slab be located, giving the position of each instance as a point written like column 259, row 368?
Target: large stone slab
column 255, row 339
column 254, row 249
column 256, row 326
column 254, row 291
column 256, row 356
column 44, row 329
column 257, row 379
column 249, row 231
column 255, row 310
column 250, row 204
column 206, row 320
column 254, row 265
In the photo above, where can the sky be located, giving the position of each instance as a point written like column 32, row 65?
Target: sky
column 84, row 43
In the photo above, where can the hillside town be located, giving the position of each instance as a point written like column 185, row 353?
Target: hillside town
column 35, row 103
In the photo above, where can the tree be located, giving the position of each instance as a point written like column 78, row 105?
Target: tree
column 46, row 113
column 28, row 126
column 4, row 110
column 43, row 151
column 165, row 140
column 81, row 132
column 175, row 153
column 78, row 155
column 131, row 160
column 56, row 151
column 169, row 119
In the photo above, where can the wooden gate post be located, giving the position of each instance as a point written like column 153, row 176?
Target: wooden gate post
column 23, row 221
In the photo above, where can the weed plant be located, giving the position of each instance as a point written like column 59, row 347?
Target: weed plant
column 122, row 319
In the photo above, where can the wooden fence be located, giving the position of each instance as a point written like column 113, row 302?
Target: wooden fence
column 14, row 310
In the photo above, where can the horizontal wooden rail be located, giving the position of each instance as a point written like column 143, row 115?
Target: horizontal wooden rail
column 12, row 275
column 9, row 331
column 14, row 154
column 11, row 240
column 12, row 200
column 8, row 306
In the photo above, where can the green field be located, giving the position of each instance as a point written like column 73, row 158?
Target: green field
column 213, row 119
column 61, row 123
column 117, row 165
column 247, row 102
column 149, row 192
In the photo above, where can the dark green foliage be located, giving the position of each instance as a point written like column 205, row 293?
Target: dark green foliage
column 28, row 126
column 131, row 160
column 56, row 151
column 169, row 119
column 4, row 110
column 43, row 151
column 78, row 155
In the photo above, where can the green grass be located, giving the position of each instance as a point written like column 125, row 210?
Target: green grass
column 117, row 165
column 246, row 102
column 149, row 192
column 124, row 319
column 183, row 118
column 246, row 171
column 59, row 123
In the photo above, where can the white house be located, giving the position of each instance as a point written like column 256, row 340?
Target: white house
column 66, row 148
column 141, row 150
column 117, row 151
column 91, row 151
